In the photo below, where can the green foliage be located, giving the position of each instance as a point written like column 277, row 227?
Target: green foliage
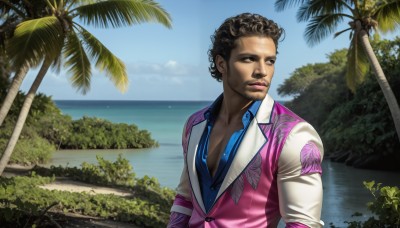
column 56, row 32
column 363, row 126
column 15, row 203
column 47, row 129
column 324, row 17
column 355, row 128
column 31, row 148
column 303, row 77
column 319, row 92
column 95, row 133
column 106, row 172
column 386, row 206
column 21, row 199
column 149, row 188
column 300, row 79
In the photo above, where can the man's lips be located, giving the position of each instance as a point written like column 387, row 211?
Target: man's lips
column 258, row 84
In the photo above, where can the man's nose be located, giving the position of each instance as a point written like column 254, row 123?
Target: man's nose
column 260, row 70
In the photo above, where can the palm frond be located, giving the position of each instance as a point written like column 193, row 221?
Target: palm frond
column 117, row 13
column 340, row 33
column 321, row 26
column 311, row 9
column 6, row 7
column 357, row 64
column 56, row 66
column 388, row 16
column 105, row 60
column 74, row 3
column 77, row 63
column 281, row 5
column 33, row 39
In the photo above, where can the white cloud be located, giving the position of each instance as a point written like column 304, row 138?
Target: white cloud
column 164, row 70
column 170, row 80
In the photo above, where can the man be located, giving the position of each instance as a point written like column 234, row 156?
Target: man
column 248, row 160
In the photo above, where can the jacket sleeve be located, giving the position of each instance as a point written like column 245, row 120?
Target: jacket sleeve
column 299, row 178
column 182, row 207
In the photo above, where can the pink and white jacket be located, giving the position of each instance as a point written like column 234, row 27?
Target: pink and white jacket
column 275, row 174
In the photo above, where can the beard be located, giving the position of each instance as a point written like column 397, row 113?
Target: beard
column 247, row 94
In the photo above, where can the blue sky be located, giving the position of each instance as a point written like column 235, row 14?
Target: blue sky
column 172, row 64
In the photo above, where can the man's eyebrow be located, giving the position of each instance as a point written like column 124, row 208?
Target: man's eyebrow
column 255, row 55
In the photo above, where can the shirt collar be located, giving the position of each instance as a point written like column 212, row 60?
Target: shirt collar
column 212, row 111
column 254, row 107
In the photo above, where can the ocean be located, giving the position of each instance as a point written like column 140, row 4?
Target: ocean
column 163, row 119
column 344, row 193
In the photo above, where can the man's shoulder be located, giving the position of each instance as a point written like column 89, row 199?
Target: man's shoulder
column 280, row 109
column 283, row 117
column 197, row 116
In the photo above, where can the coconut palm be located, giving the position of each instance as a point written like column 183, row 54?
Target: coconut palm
column 364, row 17
column 12, row 12
column 61, row 37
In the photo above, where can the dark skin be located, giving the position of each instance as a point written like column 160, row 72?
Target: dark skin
column 222, row 131
column 246, row 77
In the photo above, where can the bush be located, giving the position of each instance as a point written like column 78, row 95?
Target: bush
column 22, row 201
column 31, row 148
column 95, row 133
column 386, row 206
column 22, row 204
column 109, row 173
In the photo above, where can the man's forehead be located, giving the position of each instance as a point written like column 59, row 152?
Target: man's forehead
column 254, row 42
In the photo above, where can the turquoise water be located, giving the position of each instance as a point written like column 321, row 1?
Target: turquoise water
column 163, row 119
column 344, row 193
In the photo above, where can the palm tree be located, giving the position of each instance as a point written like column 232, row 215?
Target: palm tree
column 58, row 37
column 12, row 12
column 363, row 16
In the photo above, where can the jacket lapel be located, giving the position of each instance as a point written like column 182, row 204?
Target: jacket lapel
column 252, row 142
column 195, row 135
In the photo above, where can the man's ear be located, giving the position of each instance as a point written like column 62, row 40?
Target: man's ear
column 220, row 63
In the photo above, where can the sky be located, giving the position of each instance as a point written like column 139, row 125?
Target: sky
column 172, row 64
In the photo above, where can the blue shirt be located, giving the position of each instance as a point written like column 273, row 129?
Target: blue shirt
column 210, row 185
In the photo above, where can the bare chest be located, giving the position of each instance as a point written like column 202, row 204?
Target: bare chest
column 218, row 140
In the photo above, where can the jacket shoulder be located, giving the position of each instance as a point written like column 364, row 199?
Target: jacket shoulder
column 279, row 109
column 197, row 117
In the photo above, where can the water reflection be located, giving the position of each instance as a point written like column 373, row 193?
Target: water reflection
column 344, row 192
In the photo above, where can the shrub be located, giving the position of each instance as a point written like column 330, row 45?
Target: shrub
column 386, row 206
column 31, row 148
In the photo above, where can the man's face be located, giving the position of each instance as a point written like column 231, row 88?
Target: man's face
column 249, row 71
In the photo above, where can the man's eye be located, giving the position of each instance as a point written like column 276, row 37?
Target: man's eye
column 248, row 59
column 270, row 61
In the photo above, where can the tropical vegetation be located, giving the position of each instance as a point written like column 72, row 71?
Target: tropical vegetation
column 47, row 130
column 24, row 203
column 355, row 128
column 385, row 206
column 56, row 36
column 364, row 17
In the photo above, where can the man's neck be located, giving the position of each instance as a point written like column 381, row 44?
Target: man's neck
column 233, row 109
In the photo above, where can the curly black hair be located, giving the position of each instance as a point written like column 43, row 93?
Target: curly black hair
column 245, row 24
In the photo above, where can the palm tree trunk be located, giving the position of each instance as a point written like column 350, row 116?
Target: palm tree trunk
column 382, row 81
column 23, row 115
column 4, row 66
column 12, row 92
